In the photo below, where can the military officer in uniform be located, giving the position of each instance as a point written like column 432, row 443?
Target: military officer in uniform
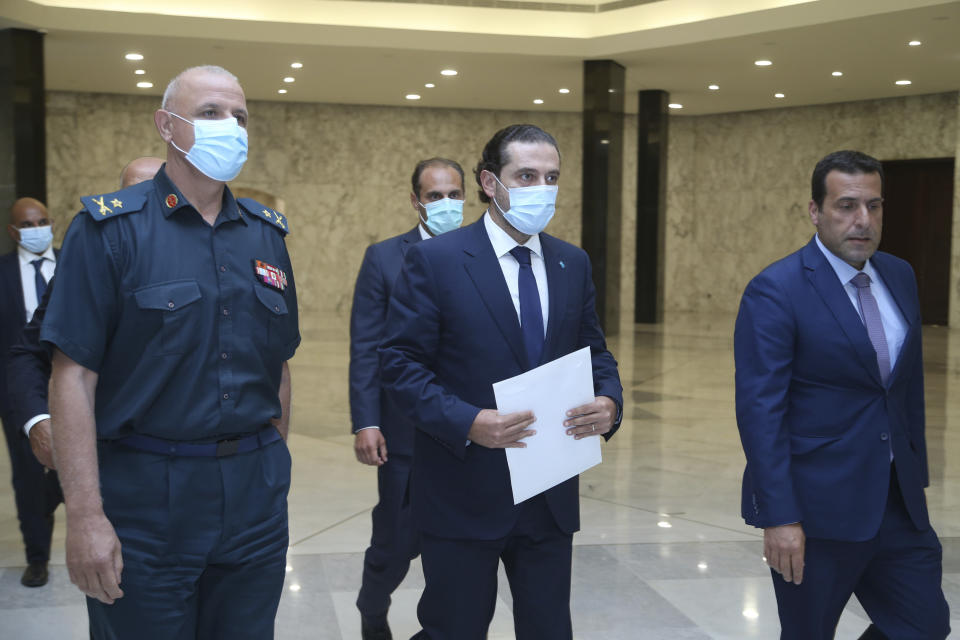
column 172, row 322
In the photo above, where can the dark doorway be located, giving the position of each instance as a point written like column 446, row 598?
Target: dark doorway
column 918, row 224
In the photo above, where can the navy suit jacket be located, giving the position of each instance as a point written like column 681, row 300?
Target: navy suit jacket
column 369, row 405
column 452, row 332
column 816, row 422
column 28, row 368
column 12, row 318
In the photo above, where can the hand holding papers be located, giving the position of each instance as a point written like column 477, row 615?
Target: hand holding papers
column 551, row 456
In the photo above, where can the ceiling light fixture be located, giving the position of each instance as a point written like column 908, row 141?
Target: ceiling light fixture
column 289, row 79
column 144, row 85
column 296, row 65
column 763, row 63
column 837, row 74
column 675, row 105
column 779, row 95
column 714, row 87
column 429, row 85
column 281, row 90
column 903, row 83
column 914, row 43
column 448, row 72
column 412, row 96
column 133, row 56
column 538, row 101
column 140, row 72
column 563, row 90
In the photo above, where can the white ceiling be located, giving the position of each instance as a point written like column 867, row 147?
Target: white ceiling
column 359, row 52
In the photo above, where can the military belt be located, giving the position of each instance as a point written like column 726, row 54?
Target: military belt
column 219, row 449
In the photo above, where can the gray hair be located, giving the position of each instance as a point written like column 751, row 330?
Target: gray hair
column 174, row 85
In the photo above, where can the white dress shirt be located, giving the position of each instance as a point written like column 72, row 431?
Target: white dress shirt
column 894, row 326
column 27, row 276
column 502, row 244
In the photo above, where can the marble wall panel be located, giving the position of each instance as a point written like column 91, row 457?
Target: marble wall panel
column 955, row 242
column 738, row 185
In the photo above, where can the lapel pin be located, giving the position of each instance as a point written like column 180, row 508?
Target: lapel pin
column 562, row 266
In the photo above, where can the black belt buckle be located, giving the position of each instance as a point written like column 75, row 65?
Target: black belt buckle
column 228, row 447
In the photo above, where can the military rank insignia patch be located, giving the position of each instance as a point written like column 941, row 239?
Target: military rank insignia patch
column 270, row 275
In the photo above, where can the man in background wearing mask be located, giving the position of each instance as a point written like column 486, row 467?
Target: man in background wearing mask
column 176, row 309
column 23, row 279
column 473, row 307
column 437, row 197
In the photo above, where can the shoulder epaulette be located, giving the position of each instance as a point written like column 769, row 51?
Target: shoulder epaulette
column 258, row 210
column 110, row 205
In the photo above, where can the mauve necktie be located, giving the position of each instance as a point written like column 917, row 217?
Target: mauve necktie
column 38, row 279
column 531, row 315
column 871, row 318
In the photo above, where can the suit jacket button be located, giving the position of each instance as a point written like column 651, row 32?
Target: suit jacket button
column 884, row 436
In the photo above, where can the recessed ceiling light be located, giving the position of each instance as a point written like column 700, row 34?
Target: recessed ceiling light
column 604, row 141
column 675, row 105
column 429, row 85
column 663, row 524
column 538, row 101
column 140, row 72
column 714, row 87
column 289, row 79
column 914, row 43
column 448, row 72
column 412, row 96
column 144, row 85
column 837, row 74
column 779, row 95
column 611, row 90
column 281, row 90
column 133, row 56
column 762, row 63
column 563, row 90
column 903, row 83
column 296, row 65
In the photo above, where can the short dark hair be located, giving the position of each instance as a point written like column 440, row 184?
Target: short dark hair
column 849, row 162
column 428, row 164
column 495, row 152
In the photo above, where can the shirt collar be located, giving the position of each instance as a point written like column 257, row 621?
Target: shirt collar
column 843, row 270
column 423, row 232
column 172, row 200
column 26, row 257
column 503, row 243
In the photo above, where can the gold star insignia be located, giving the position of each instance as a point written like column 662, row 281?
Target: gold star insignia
column 117, row 203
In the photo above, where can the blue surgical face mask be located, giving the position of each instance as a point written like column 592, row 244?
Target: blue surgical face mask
column 531, row 208
column 443, row 215
column 219, row 147
column 36, row 239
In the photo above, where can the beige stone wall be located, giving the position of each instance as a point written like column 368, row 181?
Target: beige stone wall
column 738, row 185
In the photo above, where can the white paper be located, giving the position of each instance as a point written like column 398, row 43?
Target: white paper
column 551, row 456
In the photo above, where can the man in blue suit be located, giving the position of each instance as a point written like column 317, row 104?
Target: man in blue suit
column 829, row 385
column 473, row 307
column 437, row 197
column 23, row 279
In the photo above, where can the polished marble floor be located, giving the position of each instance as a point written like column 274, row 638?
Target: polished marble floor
column 663, row 554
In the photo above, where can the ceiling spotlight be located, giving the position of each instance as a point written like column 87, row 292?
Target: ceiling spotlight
column 604, row 141
column 289, row 79
column 714, row 87
column 144, row 85
column 448, row 72
column 779, row 95
column 140, row 72
column 611, row 90
column 675, row 105
column 837, row 74
column 563, row 90
column 763, row 63
column 295, row 588
column 412, row 96
column 914, row 43
column 903, row 83
column 296, row 65
column 663, row 524
column 750, row 613
column 429, row 85
column 281, row 90
column 538, row 101
column 133, row 56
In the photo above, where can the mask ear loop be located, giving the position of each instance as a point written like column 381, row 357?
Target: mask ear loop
column 495, row 203
column 171, row 137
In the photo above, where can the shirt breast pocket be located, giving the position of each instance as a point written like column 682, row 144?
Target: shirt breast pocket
column 273, row 316
column 171, row 307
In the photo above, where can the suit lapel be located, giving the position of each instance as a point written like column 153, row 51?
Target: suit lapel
column 484, row 270
column 409, row 239
column 901, row 296
column 557, row 285
column 824, row 280
column 12, row 265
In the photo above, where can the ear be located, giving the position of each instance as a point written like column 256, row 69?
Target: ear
column 164, row 122
column 489, row 183
column 14, row 235
column 415, row 201
column 814, row 213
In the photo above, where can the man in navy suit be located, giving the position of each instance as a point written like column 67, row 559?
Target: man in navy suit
column 473, row 307
column 829, row 384
column 23, row 279
column 437, row 197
